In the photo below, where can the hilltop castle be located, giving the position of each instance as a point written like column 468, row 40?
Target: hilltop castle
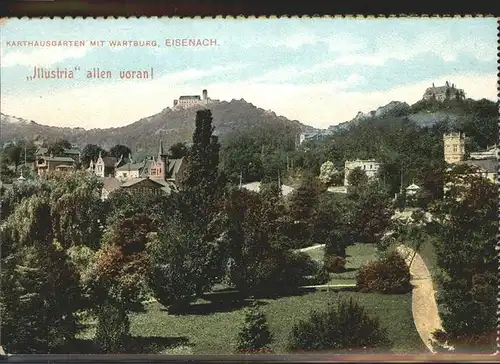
column 187, row 101
column 445, row 92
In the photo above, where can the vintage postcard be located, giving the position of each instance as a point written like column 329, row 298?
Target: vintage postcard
column 215, row 186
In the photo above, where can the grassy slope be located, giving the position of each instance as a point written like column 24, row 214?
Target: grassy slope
column 216, row 333
column 357, row 256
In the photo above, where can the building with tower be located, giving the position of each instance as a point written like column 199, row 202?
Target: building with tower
column 442, row 93
column 155, row 175
column 484, row 163
column 454, row 147
column 187, row 101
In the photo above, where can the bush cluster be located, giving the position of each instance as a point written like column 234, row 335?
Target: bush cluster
column 254, row 335
column 389, row 274
column 343, row 326
column 113, row 329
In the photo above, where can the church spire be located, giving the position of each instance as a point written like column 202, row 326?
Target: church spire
column 160, row 150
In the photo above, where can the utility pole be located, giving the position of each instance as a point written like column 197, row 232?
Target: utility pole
column 241, row 180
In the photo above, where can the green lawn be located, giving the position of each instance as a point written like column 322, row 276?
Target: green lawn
column 357, row 256
column 216, row 332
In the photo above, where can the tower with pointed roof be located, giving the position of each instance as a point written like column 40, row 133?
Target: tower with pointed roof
column 159, row 164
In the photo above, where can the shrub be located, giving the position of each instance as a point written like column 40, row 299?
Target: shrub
column 112, row 330
column 254, row 336
column 342, row 326
column 321, row 277
column 389, row 275
column 334, row 263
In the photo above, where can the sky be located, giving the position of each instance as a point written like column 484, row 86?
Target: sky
column 319, row 71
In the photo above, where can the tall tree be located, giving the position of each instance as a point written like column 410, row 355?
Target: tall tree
column 77, row 209
column 91, row 152
column 178, row 150
column 38, row 303
column 120, row 150
column 58, row 147
column 13, row 153
column 357, row 178
column 202, row 185
column 121, row 265
column 467, row 228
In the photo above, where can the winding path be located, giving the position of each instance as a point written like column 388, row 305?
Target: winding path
column 424, row 306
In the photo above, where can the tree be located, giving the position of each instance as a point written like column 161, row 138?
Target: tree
column 58, row 147
column 332, row 223
column 327, row 172
column 372, row 212
column 121, row 268
column 120, row 150
column 187, row 255
column 466, row 226
column 261, row 261
column 357, row 178
column 178, row 150
column 13, row 153
column 305, row 198
column 202, row 185
column 77, row 209
column 7, row 175
column 389, row 275
column 183, row 264
column 38, row 304
column 90, row 152
column 254, row 335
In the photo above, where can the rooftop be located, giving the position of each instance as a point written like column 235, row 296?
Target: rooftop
column 487, row 165
column 110, row 183
column 58, row 159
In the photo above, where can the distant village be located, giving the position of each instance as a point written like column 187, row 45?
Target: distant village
column 160, row 174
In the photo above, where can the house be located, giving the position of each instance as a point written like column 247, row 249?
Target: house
column 489, row 153
column 72, row 152
column 369, row 166
column 158, row 175
column 176, row 170
column 45, row 164
column 105, row 166
column 147, row 185
column 159, row 167
column 487, row 168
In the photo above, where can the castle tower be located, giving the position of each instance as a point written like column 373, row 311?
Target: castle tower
column 205, row 95
column 454, row 147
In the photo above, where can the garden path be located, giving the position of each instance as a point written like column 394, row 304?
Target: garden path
column 424, row 306
column 311, row 247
